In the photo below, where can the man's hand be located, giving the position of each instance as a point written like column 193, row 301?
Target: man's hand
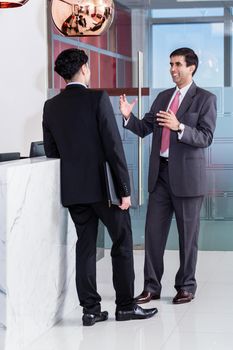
column 125, row 203
column 168, row 119
column 126, row 107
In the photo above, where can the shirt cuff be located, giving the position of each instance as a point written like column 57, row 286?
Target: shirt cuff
column 181, row 132
column 126, row 121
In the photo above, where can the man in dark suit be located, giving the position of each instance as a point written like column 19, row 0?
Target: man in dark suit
column 182, row 120
column 79, row 127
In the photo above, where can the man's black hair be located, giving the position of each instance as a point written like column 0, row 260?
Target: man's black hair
column 69, row 62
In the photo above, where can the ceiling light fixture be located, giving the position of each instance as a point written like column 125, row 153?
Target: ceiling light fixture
column 12, row 3
column 82, row 17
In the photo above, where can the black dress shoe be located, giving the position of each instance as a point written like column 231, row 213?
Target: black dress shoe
column 183, row 297
column 91, row 319
column 145, row 297
column 138, row 313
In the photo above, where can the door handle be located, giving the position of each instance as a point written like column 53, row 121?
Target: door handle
column 140, row 84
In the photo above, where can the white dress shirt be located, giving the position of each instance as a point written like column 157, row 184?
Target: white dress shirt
column 183, row 92
column 76, row 83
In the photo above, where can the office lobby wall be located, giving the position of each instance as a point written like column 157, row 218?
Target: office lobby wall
column 110, row 55
column 23, row 72
column 24, row 67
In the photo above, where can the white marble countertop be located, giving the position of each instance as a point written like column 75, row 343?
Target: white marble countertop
column 26, row 161
column 37, row 250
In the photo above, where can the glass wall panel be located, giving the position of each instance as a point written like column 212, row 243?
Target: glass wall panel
column 212, row 40
column 206, row 39
column 194, row 12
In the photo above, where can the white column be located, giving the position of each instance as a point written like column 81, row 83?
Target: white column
column 23, row 72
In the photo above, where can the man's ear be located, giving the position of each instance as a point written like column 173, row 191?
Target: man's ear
column 192, row 68
column 83, row 69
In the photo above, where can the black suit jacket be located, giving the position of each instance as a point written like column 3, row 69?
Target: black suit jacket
column 79, row 127
column 187, row 169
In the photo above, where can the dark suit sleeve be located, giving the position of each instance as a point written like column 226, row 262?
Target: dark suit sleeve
column 50, row 146
column 202, row 134
column 112, row 144
column 145, row 126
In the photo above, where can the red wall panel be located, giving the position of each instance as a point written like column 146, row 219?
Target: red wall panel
column 56, row 51
column 128, row 74
column 98, row 41
column 107, row 72
column 94, row 64
column 124, row 43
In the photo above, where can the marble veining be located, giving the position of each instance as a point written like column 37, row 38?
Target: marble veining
column 37, row 251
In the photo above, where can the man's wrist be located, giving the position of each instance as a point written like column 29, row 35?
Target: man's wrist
column 180, row 128
column 126, row 117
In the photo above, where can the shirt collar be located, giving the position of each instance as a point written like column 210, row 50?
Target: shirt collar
column 76, row 83
column 184, row 90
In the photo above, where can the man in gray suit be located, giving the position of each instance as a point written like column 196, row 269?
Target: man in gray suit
column 182, row 120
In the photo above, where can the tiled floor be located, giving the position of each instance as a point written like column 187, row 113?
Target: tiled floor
column 204, row 324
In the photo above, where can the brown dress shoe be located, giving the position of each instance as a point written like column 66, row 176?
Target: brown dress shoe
column 183, row 297
column 145, row 297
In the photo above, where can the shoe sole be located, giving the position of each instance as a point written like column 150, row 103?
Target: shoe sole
column 182, row 301
column 87, row 324
column 94, row 321
column 146, row 301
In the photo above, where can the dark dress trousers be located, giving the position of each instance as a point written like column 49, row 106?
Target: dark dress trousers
column 79, row 127
column 176, row 186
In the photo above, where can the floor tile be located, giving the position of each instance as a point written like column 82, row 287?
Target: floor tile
column 218, row 322
column 199, row 341
column 204, row 324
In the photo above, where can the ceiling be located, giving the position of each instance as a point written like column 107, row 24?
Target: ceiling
column 163, row 4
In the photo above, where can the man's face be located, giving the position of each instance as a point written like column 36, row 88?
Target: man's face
column 181, row 74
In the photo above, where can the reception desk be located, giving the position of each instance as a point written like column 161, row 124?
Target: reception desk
column 37, row 250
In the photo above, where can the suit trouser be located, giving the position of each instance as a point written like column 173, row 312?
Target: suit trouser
column 162, row 204
column 117, row 221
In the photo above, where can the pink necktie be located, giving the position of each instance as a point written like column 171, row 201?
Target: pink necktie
column 166, row 132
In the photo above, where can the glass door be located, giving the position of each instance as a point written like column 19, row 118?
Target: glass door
column 190, row 28
column 132, row 149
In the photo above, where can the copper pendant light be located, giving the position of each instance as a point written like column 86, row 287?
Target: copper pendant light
column 12, row 3
column 82, row 17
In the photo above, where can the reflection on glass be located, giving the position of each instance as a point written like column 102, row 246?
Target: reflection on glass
column 194, row 12
column 82, row 17
column 210, row 52
column 10, row 4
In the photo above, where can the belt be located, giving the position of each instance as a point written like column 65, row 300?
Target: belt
column 163, row 159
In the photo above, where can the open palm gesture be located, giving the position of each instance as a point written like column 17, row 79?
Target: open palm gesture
column 126, row 107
